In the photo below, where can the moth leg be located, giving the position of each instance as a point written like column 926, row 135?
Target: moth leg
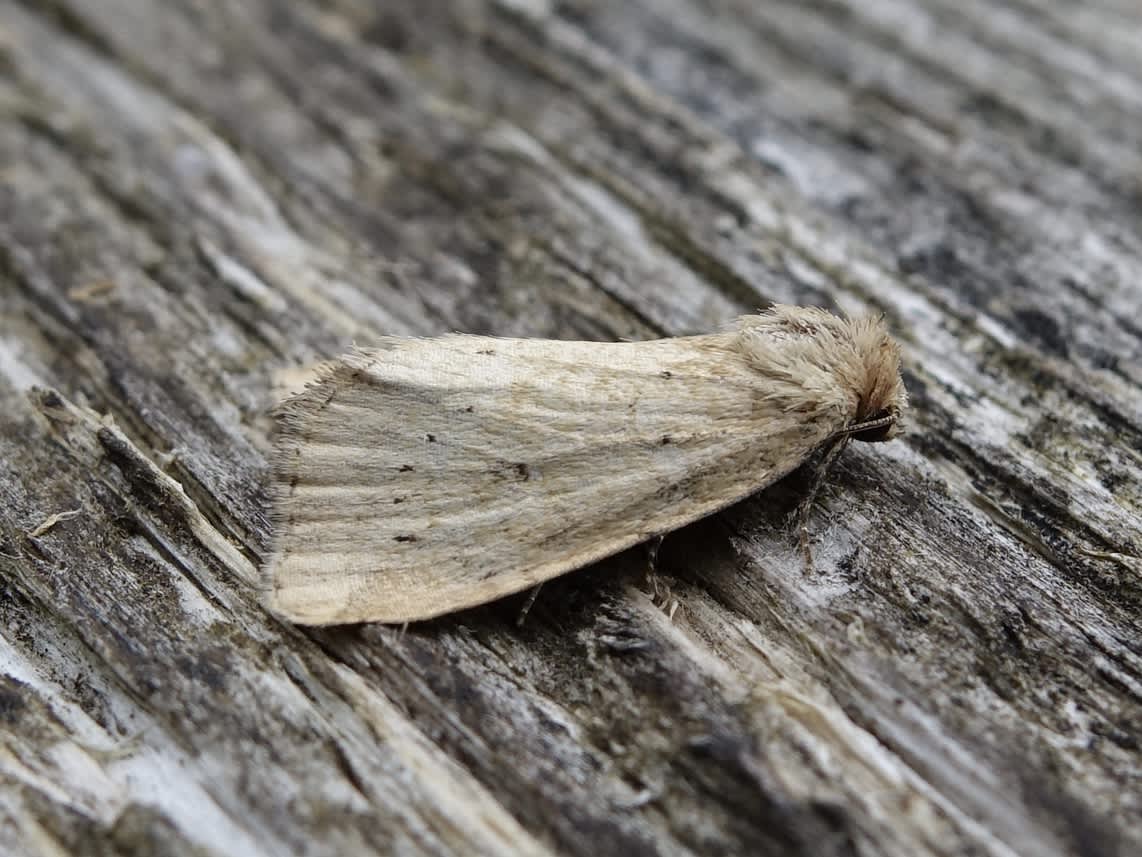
column 800, row 519
column 652, row 548
column 531, row 596
column 801, row 513
column 803, row 534
column 660, row 595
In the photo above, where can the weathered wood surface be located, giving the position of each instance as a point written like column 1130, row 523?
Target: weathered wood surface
column 196, row 195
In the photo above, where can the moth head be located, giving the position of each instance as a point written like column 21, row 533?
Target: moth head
column 843, row 369
column 875, row 378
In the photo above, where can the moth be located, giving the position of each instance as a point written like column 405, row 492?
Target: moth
column 426, row 475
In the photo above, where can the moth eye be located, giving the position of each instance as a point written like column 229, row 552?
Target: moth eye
column 877, row 433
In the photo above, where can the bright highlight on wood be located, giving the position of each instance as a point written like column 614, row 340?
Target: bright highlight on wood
column 424, row 476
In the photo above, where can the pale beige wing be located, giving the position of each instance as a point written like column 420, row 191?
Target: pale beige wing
column 429, row 475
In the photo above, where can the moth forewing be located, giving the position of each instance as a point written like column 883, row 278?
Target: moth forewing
column 428, row 475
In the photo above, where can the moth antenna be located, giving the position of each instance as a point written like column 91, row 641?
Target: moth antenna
column 801, row 514
column 857, row 428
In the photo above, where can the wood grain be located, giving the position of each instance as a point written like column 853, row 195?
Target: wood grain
column 195, row 196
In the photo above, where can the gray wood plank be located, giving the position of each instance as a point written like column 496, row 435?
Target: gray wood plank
column 197, row 196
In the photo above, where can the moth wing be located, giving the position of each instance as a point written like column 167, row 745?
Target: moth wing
column 429, row 475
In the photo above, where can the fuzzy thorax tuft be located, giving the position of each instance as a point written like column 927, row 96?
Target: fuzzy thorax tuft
column 842, row 370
